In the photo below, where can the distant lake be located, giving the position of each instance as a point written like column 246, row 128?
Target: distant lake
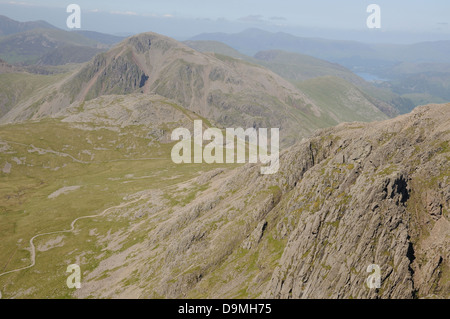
column 370, row 77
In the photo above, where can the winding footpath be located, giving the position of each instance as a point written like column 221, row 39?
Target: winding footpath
column 42, row 151
column 46, row 151
column 72, row 228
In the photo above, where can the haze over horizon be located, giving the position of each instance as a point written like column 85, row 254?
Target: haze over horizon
column 402, row 21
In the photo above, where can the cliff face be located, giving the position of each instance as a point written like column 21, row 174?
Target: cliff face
column 377, row 194
column 350, row 196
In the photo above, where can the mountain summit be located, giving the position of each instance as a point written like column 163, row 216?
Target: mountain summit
column 229, row 92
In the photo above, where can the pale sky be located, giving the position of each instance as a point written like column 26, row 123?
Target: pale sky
column 185, row 18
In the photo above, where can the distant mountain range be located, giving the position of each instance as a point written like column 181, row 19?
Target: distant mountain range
column 298, row 67
column 402, row 66
column 41, row 43
column 9, row 26
column 252, row 41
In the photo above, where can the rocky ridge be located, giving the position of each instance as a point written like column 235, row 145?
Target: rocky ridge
column 348, row 197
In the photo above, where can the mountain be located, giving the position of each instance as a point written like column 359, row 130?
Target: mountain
column 431, row 52
column 224, row 90
column 104, row 38
column 9, row 26
column 351, row 54
column 18, row 86
column 217, row 47
column 395, row 67
column 332, row 93
column 298, row 67
column 43, row 44
column 30, row 46
column 6, row 67
column 289, row 65
column 251, row 41
column 68, row 54
column 419, row 82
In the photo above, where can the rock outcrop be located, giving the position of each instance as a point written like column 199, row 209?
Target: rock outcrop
column 349, row 197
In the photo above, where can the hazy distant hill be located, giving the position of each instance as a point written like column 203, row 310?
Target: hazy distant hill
column 68, row 54
column 349, row 53
column 405, row 86
column 104, row 38
column 421, row 83
column 289, row 65
column 252, row 41
column 41, row 43
column 299, row 67
column 30, row 46
column 217, row 47
column 9, row 26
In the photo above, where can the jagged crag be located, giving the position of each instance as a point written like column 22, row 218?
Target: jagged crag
column 350, row 196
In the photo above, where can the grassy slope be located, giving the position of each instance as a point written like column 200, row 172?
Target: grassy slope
column 340, row 99
column 26, row 210
column 296, row 66
column 29, row 46
column 17, row 87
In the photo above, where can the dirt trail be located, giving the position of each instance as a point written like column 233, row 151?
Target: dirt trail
column 42, row 151
column 72, row 228
column 45, row 151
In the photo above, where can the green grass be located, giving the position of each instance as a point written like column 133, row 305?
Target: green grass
column 340, row 100
column 113, row 173
column 17, row 87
